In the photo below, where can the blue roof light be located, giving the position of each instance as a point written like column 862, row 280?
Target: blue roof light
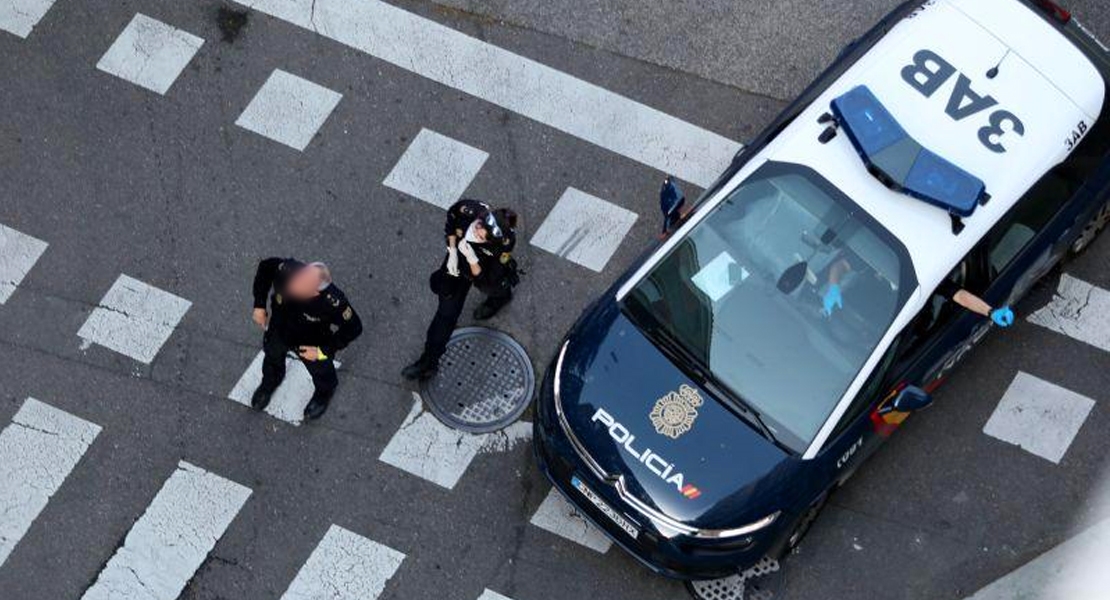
column 902, row 163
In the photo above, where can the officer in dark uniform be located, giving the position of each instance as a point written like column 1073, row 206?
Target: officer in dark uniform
column 480, row 242
column 309, row 315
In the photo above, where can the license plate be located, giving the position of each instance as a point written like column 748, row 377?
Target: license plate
column 607, row 510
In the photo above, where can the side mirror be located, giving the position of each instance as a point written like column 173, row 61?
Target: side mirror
column 911, row 399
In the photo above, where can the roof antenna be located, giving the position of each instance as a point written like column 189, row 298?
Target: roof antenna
column 993, row 72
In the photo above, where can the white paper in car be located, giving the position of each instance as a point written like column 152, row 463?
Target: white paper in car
column 719, row 276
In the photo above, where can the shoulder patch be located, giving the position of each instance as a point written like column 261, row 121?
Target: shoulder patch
column 335, row 300
column 277, row 298
column 348, row 314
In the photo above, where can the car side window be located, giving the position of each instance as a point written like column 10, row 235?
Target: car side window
column 1029, row 217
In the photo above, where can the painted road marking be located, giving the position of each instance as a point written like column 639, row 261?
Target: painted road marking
column 436, row 169
column 289, row 109
column 345, row 566
column 20, row 16
column 170, row 541
column 37, row 452
column 150, row 53
column 1041, row 417
column 513, row 82
column 289, row 400
column 1074, row 570
column 584, row 229
column 18, row 254
column 1080, row 311
column 558, row 516
column 491, row 595
column 134, row 319
column 425, row 447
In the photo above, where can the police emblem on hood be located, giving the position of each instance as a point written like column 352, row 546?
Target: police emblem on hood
column 674, row 414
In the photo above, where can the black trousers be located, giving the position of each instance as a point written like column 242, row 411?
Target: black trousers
column 323, row 373
column 450, row 307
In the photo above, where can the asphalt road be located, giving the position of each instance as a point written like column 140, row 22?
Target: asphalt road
column 168, row 190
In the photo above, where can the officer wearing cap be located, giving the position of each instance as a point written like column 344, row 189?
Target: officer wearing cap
column 480, row 242
column 308, row 315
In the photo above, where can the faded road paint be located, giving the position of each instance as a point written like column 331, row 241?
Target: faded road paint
column 1080, row 311
column 345, row 566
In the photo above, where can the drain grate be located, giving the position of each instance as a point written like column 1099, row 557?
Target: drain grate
column 485, row 381
column 761, row 582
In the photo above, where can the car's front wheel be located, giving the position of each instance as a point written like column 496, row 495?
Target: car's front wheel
column 804, row 523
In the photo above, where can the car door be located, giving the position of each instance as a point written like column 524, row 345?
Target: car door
column 1032, row 237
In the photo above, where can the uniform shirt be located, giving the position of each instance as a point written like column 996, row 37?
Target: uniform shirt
column 326, row 320
column 495, row 253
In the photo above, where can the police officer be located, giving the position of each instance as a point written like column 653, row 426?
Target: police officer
column 308, row 315
column 480, row 243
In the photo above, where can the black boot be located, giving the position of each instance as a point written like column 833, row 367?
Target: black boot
column 261, row 398
column 315, row 409
column 420, row 370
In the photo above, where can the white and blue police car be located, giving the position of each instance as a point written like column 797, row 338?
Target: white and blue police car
column 703, row 409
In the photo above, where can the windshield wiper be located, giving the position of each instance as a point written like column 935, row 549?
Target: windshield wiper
column 706, row 378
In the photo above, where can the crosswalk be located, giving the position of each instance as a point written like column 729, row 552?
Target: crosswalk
column 195, row 507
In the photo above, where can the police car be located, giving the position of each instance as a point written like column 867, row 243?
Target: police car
column 702, row 411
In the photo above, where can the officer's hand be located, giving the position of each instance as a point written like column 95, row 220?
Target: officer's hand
column 260, row 317
column 1003, row 317
column 832, row 300
column 310, row 353
column 468, row 252
column 452, row 262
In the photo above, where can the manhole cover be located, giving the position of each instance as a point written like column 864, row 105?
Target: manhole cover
column 760, row 582
column 485, row 381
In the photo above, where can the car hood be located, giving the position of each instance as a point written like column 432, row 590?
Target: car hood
column 697, row 462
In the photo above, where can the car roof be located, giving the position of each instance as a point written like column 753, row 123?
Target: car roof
column 1046, row 112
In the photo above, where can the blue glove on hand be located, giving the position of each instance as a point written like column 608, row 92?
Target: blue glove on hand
column 1003, row 317
column 832, row 300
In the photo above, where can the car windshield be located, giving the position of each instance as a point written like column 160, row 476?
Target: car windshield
column 744, row 295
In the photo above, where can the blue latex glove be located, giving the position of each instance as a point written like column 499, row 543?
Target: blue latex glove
column 832, row 300
column 1003, row 317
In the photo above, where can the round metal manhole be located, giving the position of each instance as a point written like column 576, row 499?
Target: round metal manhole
column 484, row 383
column 761, row 582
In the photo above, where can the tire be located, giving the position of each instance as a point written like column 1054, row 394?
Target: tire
column 803, row 525
column 1091, row 230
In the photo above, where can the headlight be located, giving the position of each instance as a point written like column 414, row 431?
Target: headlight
column 750, row 528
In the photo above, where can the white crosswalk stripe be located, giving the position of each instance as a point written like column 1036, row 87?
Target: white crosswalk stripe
column 291, row 397
column 1041, row 417
column 513, row 82
column 170, row 541
column 584, row 229
column 150, row 53
column 134, row 319
column 492, row 595
column 345, row 566
column 289, row 109
column 558, row 516
column 1079, row 310
column 38, row 450
column 20, row 17
column 18, row 254
column 436, row 169
column 433, row 451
